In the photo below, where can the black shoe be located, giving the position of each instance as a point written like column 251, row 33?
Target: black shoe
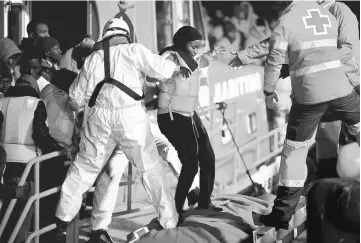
column 211, row 207
column 269, row 220
column 137, row 234
column 61, row 225
column 99, row 236
column 180, row 217
column 193, row 196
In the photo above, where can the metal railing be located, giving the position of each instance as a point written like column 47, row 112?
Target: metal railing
column 33, row 199
column 72, row 235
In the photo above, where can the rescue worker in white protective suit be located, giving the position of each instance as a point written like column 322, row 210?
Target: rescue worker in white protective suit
column 307, row 37
column 107, row 183
column 328, row 132
column 116, row 119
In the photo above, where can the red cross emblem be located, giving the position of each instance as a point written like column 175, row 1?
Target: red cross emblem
column 317, row 21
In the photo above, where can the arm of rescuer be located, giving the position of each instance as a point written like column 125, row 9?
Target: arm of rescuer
column 254, row 52
column 157, row 67
column 145, row 61
column 348, row 41
column 276, row 57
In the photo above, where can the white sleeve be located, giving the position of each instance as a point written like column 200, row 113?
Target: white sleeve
column 153, row 65
column 77, row 92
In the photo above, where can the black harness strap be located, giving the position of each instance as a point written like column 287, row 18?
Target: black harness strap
column 109, row 80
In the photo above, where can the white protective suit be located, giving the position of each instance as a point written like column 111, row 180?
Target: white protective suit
column 106, row 190
column 108, row 181
column 117, row 120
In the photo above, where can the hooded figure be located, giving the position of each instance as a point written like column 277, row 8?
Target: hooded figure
column 179, row 122
column 10, row 55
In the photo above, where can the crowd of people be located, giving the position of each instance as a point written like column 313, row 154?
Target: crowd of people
column 239, row 30
column 94, row 102
column 56, row 94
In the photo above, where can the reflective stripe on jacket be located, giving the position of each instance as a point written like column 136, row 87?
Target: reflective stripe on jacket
column 17, row 129
column 348, row 41
column 307, row 35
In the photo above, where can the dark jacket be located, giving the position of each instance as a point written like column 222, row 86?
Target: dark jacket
column 63, row 78
column 27, row 45
column 41, row 134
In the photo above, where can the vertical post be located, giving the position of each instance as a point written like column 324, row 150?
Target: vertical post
column 72, row 231
column 37, row 200
column 275, row 141
column 130, row 179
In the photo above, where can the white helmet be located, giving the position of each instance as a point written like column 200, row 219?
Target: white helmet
column 115, row 26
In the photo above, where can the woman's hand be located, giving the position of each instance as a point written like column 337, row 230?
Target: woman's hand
column 218, row 50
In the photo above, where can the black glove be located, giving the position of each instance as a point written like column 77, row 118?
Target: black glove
column 185, row 72
column 285, row 71
column 357, row 89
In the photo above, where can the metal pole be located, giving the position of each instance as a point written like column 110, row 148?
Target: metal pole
column 22, row 182
column 130, row 179
column 26, row 210
column 37, row 200
column 72, row 231
column 42, row 231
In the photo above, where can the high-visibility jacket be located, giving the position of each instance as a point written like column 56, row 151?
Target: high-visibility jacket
column 348, row 41
column 307, row 35
column 17, row 129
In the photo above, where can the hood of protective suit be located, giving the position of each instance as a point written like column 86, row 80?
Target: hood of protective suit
column 7, row 49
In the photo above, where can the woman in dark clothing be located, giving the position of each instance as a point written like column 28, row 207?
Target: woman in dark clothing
column 179, row 122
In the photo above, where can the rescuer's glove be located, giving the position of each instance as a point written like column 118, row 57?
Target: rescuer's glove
column 185, row 72
column 271, row 100
column 285, row 71
column 236, row 63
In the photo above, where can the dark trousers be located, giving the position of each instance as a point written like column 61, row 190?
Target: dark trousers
column 302, row 124
column 333, row 211
column 190, row 139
